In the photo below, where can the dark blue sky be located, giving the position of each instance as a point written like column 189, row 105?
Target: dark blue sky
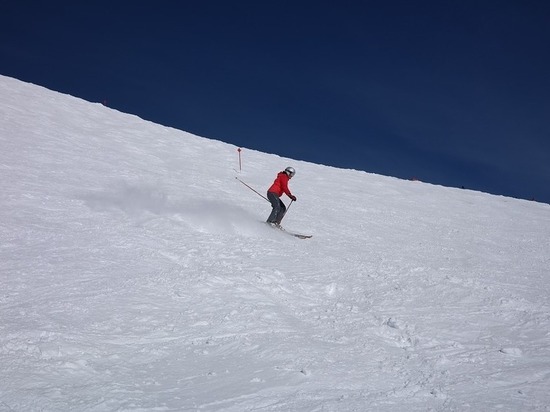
column 450, row 92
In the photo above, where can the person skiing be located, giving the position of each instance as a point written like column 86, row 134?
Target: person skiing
column 274, row 193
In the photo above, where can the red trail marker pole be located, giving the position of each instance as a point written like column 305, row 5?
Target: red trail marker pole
column 240, row 164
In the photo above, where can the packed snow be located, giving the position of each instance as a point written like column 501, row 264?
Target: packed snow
column 137, row 274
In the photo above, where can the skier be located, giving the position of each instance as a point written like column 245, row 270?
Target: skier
column 279, row 186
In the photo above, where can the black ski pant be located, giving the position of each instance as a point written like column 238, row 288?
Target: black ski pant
column 279, row 208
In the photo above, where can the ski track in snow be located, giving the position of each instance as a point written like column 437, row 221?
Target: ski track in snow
column 137, row 275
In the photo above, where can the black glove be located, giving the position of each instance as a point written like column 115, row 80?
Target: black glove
column 293, row 198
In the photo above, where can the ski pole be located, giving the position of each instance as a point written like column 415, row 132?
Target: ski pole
column 259, row 194
column 290, row 204
column 286, row 211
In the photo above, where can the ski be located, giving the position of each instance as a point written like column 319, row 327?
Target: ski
column 298, row 235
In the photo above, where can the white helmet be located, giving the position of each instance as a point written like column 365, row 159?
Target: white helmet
column 290, row 171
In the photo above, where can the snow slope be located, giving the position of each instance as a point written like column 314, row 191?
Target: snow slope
column 137, row 275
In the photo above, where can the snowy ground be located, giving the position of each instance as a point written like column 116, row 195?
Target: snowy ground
column 136, row 274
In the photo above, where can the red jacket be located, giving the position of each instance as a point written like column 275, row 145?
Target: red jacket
column 280, row 185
